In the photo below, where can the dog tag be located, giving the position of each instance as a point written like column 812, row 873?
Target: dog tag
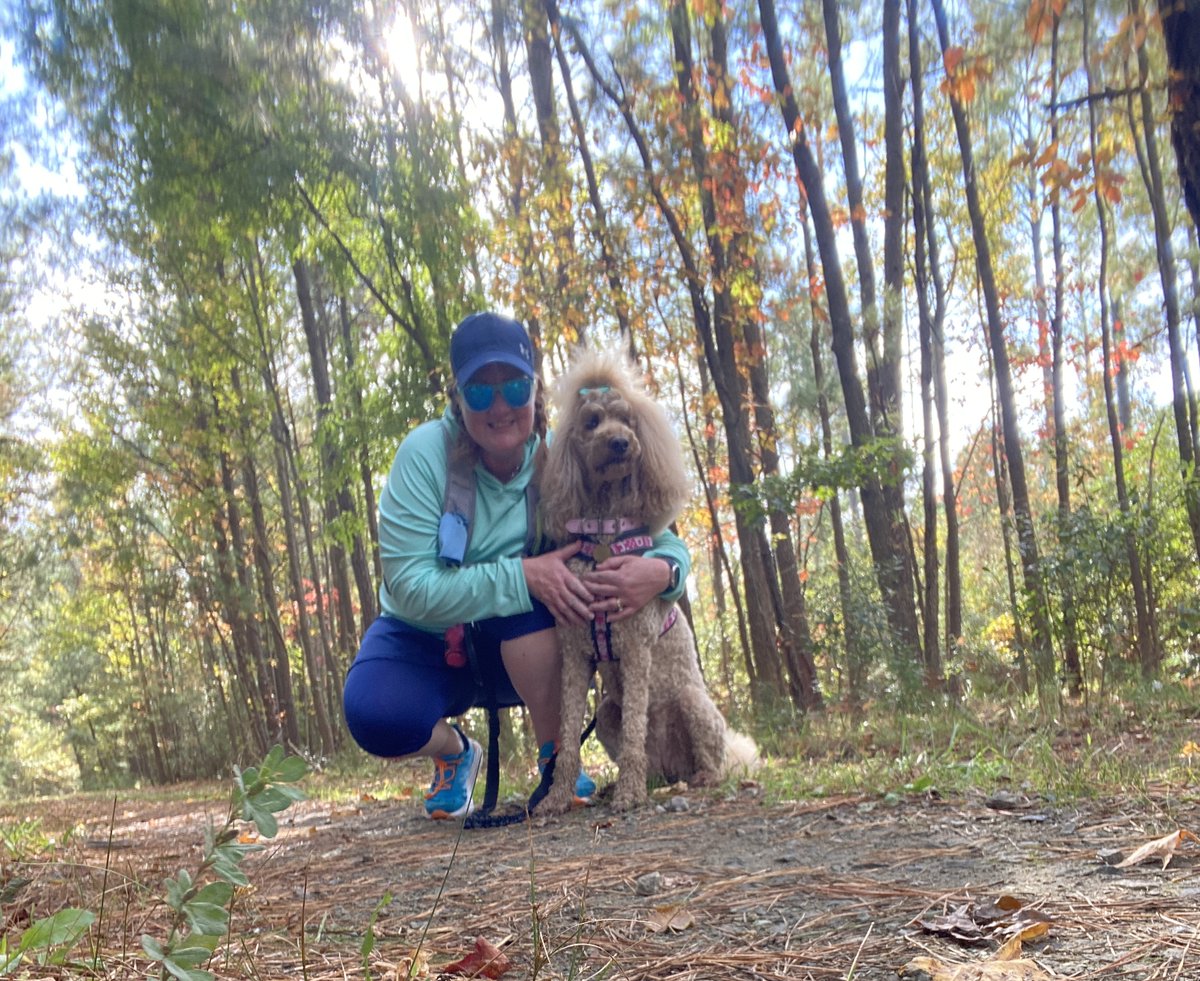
column 602, row 553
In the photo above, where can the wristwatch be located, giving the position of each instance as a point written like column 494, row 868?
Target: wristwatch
column 674, row 583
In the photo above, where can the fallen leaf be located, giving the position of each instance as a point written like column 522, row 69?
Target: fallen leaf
column 485, row 961
column 1163, row 848
column 674, row 918
column 959, row 924
column 1010, row 969
column 414, row 964
column 1004, row 918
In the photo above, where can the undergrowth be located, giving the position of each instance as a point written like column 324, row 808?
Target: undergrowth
column 1143, row 747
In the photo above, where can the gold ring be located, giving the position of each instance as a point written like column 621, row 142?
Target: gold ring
column 619, row 606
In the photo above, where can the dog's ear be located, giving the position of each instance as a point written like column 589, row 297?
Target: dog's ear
column 663, row 483
column 561, row 491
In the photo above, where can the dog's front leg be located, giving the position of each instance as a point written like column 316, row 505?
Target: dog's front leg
column 576, row 674
column 635, row 685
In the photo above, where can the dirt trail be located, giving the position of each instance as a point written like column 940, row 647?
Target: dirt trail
column 700, row 888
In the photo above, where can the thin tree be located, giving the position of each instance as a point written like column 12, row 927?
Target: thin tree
column 1034, row 585
column 1147, row 654
column 893, row 573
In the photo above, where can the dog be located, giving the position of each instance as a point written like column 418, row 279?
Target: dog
column 614, row 477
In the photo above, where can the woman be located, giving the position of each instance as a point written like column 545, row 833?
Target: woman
column 402, row 687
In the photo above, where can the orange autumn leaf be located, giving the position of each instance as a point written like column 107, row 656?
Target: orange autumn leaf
column 485, row 961
column 953, row 58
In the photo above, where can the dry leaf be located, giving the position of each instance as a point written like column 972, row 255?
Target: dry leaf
column 674, row 918
column 1012, row 969
column 485, row 961
column 1163, row 848
column 414, row 964
column 1005, row 917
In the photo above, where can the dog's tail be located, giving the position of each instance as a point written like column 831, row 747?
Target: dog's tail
column 741, row 755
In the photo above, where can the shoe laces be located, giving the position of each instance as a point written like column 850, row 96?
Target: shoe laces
column 444, row 773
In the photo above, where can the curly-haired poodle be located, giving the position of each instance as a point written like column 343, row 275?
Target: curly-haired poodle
column 615, row 477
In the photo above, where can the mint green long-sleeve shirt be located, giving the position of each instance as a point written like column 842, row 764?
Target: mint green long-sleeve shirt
column 421, row 589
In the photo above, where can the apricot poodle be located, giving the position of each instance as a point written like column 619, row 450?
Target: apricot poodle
column 614, row 477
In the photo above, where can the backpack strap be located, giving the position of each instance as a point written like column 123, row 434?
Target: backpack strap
column 458, row 506
column 458, row 510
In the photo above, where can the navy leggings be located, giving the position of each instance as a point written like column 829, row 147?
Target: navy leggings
column 400, row 685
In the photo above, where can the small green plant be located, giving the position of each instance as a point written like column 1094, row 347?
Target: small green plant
column 200, row 903
column 24, row 839
column 47, row 941
column 368, row 941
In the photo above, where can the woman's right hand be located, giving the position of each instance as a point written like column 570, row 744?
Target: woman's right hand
column 548, row 579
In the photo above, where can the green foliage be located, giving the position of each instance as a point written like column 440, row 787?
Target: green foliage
column 368, row 941
column 886, row 459
column 24, row 839
column 48, row 940
column 200, row 903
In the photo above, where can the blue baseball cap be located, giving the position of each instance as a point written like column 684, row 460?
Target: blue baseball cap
column 485, row 338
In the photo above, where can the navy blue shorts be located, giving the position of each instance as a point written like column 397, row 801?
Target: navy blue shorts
column 400, row 685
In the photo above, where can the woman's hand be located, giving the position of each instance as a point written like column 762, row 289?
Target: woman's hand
column 623, row 584
column 548, row 579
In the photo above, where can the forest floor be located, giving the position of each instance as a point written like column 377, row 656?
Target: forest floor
column 721, row 885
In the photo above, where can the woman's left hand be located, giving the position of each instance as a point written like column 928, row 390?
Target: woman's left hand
column 623, row 584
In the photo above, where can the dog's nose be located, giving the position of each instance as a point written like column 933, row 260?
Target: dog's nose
column 619, row 445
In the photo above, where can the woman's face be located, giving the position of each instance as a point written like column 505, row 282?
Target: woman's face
column 500, row 430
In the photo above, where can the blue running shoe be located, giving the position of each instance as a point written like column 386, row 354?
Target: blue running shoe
column 454, row 776
column 585, row 786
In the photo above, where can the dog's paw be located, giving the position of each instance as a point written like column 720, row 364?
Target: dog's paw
column 555, row 804
column 628, row 800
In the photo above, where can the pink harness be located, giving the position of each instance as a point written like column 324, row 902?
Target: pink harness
column 628, row 539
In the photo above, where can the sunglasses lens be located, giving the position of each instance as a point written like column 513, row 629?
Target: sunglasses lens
column 517, row 392
column 478, row 397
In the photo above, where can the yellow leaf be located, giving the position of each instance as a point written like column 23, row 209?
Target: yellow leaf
column 1163, row 848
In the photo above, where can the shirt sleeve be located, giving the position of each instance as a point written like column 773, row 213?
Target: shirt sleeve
column 417, row 586
column 668, row 545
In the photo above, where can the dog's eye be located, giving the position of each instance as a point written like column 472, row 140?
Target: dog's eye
column 592, row 421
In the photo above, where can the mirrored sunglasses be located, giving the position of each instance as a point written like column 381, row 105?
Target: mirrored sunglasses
column 516, row 392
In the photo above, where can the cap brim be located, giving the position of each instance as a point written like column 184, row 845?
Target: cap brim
column 492, row 357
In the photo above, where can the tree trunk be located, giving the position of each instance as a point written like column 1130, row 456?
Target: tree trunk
column 600, row 229
column 929, row 246
column 337, row 505
column 1185, row 428
column 1147, row 655
column 265, row 711
column 1181, row 37
column 853, row 657
column 362, row 565
column 1022, row 514
column 762, row 649
column 893, row 567
column 566, row 299
column 1056, row 326
column 736, row 304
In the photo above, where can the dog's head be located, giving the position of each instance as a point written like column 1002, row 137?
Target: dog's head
column 605, row 436
column 613, row 447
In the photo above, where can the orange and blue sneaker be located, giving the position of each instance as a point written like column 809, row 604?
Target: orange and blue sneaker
column 585, row 786
column 454, row 776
